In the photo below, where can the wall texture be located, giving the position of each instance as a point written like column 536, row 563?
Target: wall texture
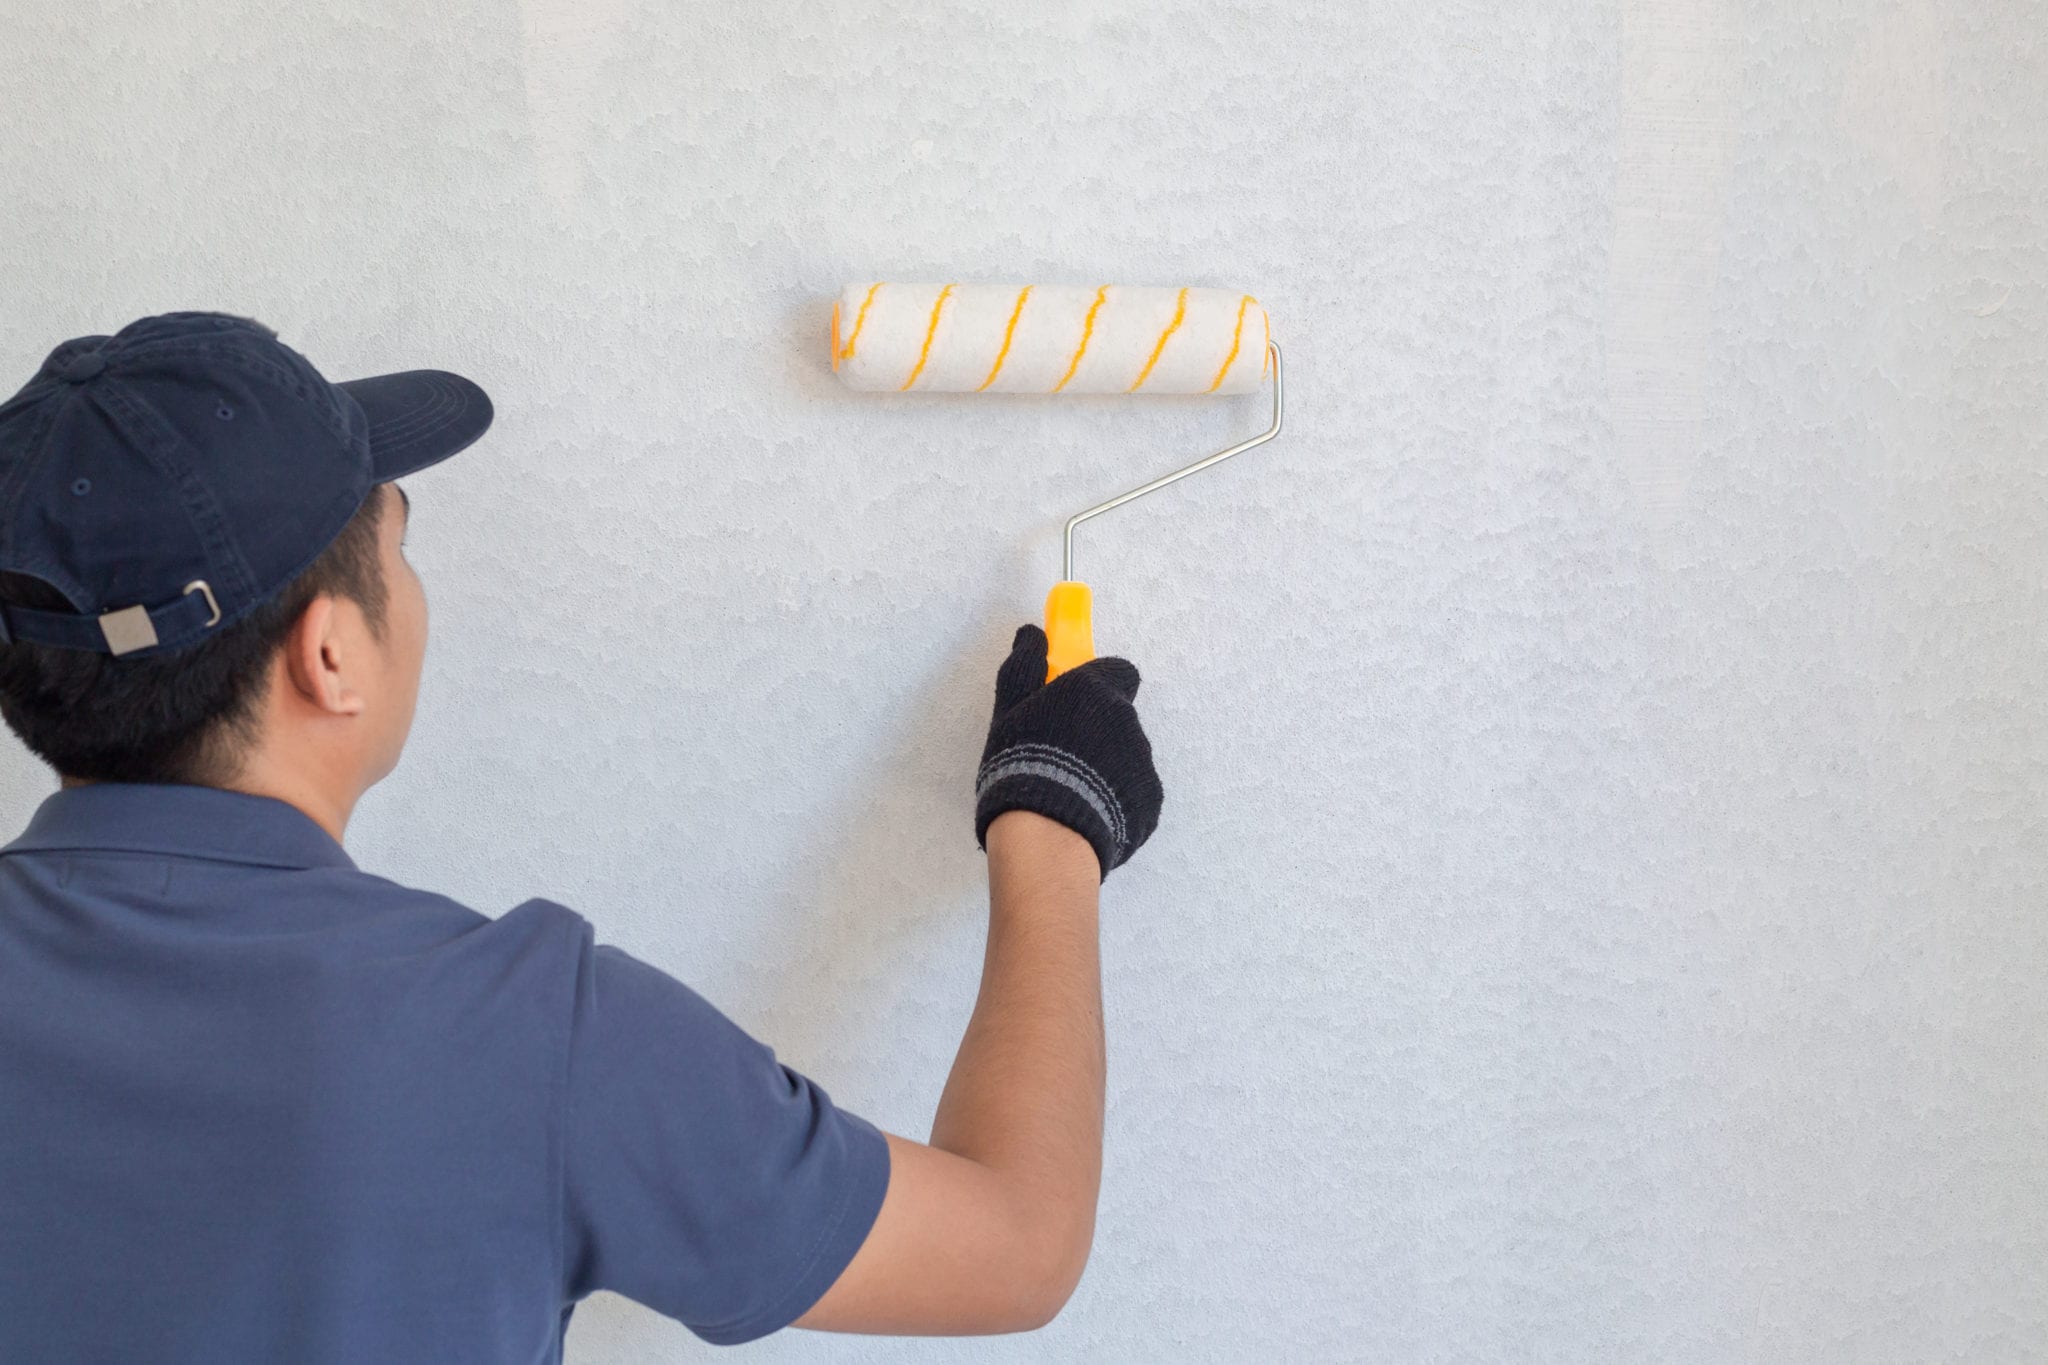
column 1598, row 913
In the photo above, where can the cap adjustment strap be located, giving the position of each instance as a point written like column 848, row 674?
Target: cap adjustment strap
column 125, row 630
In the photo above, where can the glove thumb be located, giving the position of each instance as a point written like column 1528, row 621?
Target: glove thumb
column 1024, row 671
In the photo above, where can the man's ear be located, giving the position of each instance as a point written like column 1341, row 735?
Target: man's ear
column 314, row 659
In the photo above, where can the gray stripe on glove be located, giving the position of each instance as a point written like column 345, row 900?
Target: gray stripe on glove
column 1057, row 765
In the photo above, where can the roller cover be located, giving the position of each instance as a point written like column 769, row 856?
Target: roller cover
column 1048, row 338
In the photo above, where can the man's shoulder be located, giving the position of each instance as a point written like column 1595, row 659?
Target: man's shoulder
column 527, row 960
column 411, row 915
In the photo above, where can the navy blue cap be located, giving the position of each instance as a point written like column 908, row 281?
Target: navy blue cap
column 170, row 478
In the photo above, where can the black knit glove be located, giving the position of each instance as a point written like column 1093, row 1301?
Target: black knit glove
column 1071, row 750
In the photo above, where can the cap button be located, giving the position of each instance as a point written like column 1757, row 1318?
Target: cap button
column 81, row 368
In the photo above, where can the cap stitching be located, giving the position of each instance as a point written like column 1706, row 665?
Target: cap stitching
column 437, row 395
column 426, row 420
column 36, row 566
column 350, row 501
column 36, row 388
column 438, row 391
column 448, row 401
column 297, row 386
column 200, row 504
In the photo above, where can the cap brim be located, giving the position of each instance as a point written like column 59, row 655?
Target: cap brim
column 418, row 418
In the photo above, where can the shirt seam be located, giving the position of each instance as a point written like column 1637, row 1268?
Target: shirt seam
column 558, row 1137
column 101, row 850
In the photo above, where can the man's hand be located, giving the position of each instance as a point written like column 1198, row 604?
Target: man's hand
column 1071, row 750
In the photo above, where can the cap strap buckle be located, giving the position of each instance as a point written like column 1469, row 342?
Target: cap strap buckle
column 198, row 585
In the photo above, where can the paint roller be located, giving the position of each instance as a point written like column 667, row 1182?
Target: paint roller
column 1059, row 339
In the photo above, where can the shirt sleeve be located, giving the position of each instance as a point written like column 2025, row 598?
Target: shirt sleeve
column 701, row 1177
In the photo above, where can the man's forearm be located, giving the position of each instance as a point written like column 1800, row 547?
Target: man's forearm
column 1025, row 1095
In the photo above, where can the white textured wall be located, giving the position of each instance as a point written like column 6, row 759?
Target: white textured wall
column 1598, row 913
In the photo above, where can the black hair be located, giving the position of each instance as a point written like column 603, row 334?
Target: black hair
column 185, row 716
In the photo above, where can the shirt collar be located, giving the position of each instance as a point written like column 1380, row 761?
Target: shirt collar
column 181, row 821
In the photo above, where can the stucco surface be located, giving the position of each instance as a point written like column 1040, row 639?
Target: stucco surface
column 1598, row 910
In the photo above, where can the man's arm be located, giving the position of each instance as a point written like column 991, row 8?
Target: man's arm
column 988, row 1227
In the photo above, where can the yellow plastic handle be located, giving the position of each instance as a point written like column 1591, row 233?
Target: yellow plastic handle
column 1069, row 628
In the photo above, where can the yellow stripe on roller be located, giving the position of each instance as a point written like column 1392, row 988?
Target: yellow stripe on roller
column 1008, row 332
column 1180, row 310
column 1087, row 330
column 1235, row 335
column 930, row 331
column 859, row 320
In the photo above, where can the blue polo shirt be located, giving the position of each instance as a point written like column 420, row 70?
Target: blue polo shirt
column 258, row 1105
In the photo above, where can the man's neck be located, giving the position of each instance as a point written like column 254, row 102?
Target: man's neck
column 323, row 805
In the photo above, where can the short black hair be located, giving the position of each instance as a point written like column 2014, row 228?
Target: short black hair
column 184, row 716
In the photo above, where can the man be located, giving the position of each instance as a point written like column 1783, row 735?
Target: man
column 257, row 1105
